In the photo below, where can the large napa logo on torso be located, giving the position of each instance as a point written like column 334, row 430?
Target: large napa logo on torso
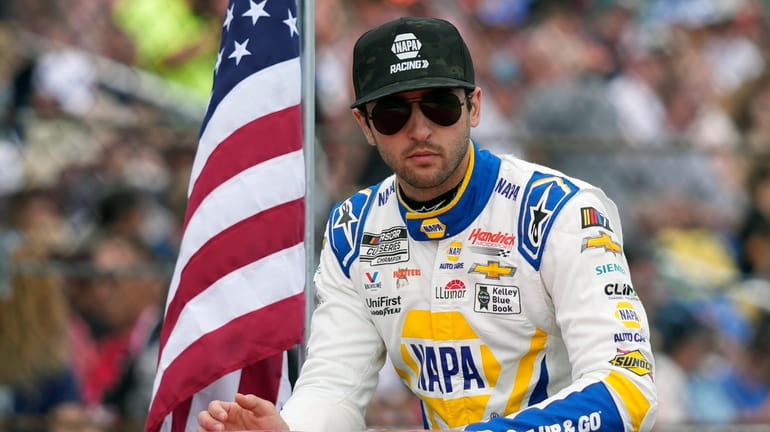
column 406, row 47
column 452, row 370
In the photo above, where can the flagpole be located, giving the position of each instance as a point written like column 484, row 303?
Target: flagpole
column 307, row 56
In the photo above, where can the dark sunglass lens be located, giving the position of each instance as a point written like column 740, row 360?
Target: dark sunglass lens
column 390, row 115
column 442, row 107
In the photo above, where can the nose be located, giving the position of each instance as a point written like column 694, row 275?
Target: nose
column 418, row 128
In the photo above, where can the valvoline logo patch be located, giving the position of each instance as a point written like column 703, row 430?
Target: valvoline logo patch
column 372, row 281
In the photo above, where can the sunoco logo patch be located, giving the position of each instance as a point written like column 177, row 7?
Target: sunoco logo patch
column 633, row 361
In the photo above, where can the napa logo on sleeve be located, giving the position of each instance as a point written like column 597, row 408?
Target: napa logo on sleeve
column 627, row 315
column 544, row 197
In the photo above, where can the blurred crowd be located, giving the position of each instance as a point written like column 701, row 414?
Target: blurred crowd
column 665, row 104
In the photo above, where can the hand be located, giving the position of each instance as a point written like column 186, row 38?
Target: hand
column 248, row 412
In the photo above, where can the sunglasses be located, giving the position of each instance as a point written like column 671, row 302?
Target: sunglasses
column 391, row 113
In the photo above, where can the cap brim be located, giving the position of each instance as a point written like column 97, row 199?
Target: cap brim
column 414, row 84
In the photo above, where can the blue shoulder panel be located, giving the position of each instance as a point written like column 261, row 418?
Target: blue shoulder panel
column 346, row 222
column 544, row 197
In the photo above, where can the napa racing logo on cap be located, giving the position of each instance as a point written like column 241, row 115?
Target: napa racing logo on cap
column 406, row 47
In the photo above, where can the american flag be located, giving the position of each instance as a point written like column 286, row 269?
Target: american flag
column 236, row 299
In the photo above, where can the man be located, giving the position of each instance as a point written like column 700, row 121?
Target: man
column 498, row 287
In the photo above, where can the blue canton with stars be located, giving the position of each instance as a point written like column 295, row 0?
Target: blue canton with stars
column 255, row 35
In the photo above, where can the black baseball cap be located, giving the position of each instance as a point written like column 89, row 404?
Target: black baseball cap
column 410, row 53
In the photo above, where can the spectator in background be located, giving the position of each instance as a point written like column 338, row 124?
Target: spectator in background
column 746, row 382
column 682, row 345
column 117, row 305
column 37, row 357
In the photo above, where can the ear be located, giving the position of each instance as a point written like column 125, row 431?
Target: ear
column 475, row 100
column 364, row 125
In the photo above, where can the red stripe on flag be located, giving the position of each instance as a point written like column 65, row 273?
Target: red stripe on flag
column 180, row 414
column 263, row 378
column 227, row 349
column 259, row 140
column 245, row 242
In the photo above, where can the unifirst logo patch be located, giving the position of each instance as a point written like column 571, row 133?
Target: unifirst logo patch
column 406, row 47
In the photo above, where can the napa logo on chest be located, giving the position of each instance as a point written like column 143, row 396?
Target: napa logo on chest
column 433, row 228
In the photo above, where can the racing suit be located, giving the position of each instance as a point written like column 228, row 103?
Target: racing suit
column 509, row 309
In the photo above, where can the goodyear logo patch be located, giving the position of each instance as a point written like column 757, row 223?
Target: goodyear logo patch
column 633, row 361
column 543, row 198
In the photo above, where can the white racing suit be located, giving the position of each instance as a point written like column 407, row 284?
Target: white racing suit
column 510, row 309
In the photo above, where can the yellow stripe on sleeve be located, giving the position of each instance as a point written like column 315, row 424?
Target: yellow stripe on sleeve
column 635, row 402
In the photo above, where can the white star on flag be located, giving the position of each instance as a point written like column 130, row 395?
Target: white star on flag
column 291, row 21
column 239, row 51
column 256, row 11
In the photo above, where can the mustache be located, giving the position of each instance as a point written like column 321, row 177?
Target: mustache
column 422, row 146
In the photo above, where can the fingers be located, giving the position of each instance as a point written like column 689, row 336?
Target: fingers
column 211, row 419
column 206, row 423
column 260, row 407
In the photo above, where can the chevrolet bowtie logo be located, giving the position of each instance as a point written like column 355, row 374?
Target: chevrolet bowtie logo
column 603, row 241
column 492, row 270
